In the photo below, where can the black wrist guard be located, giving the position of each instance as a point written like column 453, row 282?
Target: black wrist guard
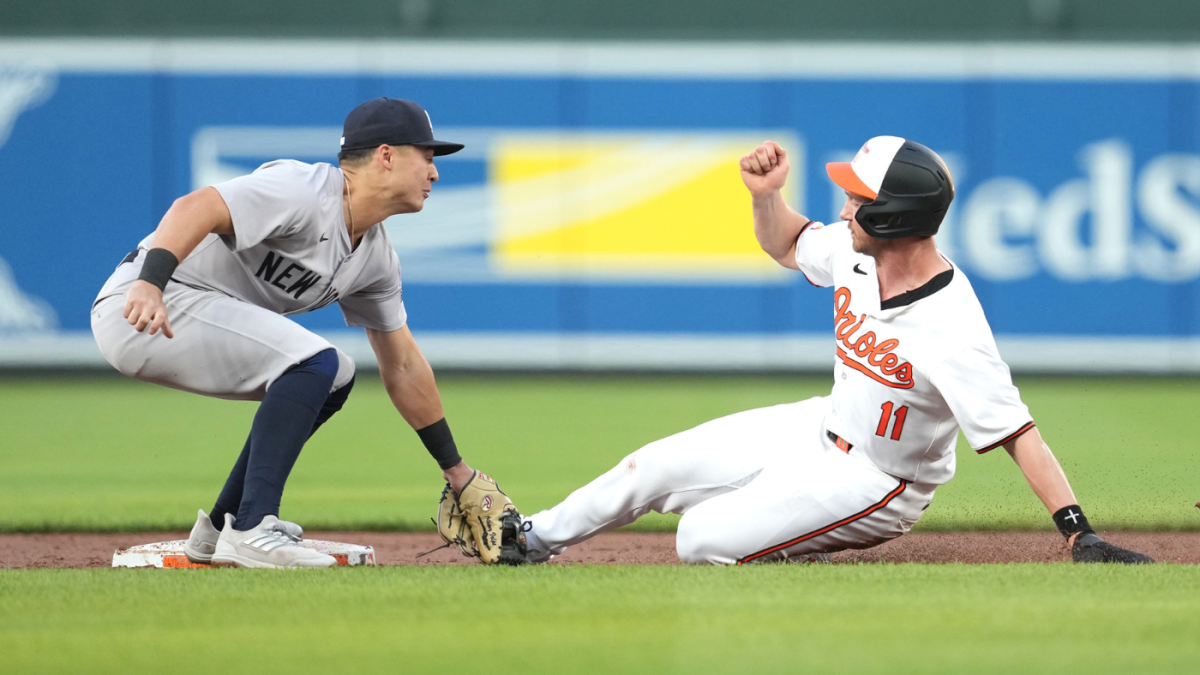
column 1071, row 520
column 158, row 267
column 440, row 443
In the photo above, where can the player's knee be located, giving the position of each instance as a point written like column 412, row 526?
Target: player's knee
column 337, row 397
column 687, row 547
column 343, row 382
column 345, row 373
column 325, row 362
column 693, row 543
column 112, row 337
column 707, row 534
column 127, row 361
column 651, row 465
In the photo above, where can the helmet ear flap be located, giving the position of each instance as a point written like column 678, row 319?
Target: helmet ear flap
column 882, row 225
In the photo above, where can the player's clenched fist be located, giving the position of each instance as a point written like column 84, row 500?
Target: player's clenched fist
column 765, row 170
column 144, row 307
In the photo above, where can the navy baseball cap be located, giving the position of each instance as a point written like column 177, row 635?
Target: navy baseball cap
column 392, row 121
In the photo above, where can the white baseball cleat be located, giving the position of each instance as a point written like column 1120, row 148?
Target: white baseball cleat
column 265, row 545
column 535, row 551
column 202, row 542
column 290, row 529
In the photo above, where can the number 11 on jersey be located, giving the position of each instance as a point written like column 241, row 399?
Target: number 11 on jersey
column 898, row 427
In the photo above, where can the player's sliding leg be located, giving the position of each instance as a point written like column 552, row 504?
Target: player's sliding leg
column 817, row 500
column 672, row 475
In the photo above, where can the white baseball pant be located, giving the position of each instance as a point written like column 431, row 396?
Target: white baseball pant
column 223, row 347
column 765, row 484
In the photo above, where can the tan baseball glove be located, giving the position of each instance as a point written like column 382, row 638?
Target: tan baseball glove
column 452, row 527
column 492, row 519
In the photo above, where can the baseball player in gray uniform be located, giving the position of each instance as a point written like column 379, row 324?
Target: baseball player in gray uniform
column 201, row 306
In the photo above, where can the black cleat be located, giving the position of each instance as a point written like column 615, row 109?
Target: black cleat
column 1089, row 548
column 512, row 539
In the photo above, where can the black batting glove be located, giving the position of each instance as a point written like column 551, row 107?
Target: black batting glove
column 1089, row 548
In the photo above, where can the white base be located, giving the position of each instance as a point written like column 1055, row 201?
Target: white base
column 170, row 555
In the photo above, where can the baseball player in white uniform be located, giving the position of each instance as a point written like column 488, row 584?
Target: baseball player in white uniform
column 200, row 305
column 916, row 362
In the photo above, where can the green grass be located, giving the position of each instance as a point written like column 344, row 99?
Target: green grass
column 114, row 454
column 1055, row 618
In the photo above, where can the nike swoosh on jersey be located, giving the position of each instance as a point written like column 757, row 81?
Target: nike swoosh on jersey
column 324, row 237
column 858, row 271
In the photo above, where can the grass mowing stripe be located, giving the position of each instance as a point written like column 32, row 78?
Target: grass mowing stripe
column 122, row 455
column 909, row 618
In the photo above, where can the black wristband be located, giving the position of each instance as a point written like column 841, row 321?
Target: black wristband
column 1070, row 520
column 440, row 443
column 158, row 267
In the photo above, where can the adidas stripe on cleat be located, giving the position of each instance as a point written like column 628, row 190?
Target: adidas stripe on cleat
column 202, row 542
column 266, row 545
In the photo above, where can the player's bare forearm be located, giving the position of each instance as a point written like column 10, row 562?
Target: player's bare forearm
column 777, row 228
column 1041, row 469
column 776, row 225
column 190, row 219
column 1049, row 483
column 410, row 385
column 407, row 377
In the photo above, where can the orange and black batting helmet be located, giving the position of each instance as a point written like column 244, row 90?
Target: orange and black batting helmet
column 909, row 187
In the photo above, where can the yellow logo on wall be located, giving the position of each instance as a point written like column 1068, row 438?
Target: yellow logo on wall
column 627, row 205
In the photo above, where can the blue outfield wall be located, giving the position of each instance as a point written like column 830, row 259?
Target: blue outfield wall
column 596, row 220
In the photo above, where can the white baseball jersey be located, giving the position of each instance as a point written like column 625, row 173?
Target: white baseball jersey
column 290, row 251
column 913, row 370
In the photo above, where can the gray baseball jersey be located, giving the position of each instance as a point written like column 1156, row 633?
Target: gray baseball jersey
column 290, row 252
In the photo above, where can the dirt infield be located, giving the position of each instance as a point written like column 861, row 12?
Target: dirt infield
column 393, row 548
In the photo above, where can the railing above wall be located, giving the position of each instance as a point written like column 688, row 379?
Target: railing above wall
column 954, row 20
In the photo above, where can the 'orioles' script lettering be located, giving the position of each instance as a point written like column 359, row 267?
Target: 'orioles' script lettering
column 881, row 364
column 293, row 279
